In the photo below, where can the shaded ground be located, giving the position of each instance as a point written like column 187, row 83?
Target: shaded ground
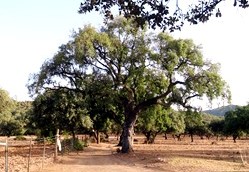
column 166, row 155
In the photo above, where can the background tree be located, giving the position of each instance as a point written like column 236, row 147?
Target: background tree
column 217, row 127
column 20, row 114
column 101, row 105
column 11, row 123
column 10, row 127
column 153, row 121
column 143, row 69
column 236, row 122
column 194, row 123
column 206, row 129
column 177, row 127
column 165, row 14
column 57, row 109
column 6, row 103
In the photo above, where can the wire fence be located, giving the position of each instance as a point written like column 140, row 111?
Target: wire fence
column 28, row 154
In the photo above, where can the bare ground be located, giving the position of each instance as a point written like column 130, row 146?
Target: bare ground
column 166, row 155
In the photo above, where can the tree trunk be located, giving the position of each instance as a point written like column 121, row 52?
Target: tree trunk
column 120, row 139
column 148, row 136
column 165, row 136
column 73, row 133
column 128, row 132
column 178, row 137
column 127, row 140
column 106, row 135
column 117, row 135
column 98, row 137
column 192, row 138
column 153, row 137
column 234, row 138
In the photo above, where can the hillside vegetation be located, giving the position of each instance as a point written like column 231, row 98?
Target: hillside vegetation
column 221, row 110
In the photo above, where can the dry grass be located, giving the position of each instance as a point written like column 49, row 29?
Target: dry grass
column 165, row 155
column 18, row 155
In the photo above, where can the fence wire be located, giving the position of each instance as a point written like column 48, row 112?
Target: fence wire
column 30, row 154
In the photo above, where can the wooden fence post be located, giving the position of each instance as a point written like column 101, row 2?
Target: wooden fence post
column 6, row 155
column 30, row 145
column 44, row 150
column 56, row 143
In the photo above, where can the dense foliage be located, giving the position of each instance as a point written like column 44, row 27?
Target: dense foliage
column 237, row 122
column 58, row 109
column 153, row 121
column 13, row 115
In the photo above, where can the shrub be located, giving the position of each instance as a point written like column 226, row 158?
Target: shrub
column 20, row 138
column 50, row 140
column 79, row 145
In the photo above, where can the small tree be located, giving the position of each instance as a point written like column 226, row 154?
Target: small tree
column 217, row 127
column 153, row 121
column 11, row 123
column 177, row 126
column 7, row 104
column 236, row 122
column 20, row 114
column 58, row 109
column 194, row 124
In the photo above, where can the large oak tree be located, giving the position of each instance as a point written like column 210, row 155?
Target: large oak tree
column 134, row 69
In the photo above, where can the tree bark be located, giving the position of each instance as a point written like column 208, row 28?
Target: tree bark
column 73, row 133
column 178, row 137
column 165, row 136
column 153, row 137
column 98, row 137
column 150, row 137
column 128, row 132
column 127, row 140
column 192, row 137
column 147, row 135
column 234, row 138
column 120, row 139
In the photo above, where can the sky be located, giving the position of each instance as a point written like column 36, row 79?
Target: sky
column 31, row 32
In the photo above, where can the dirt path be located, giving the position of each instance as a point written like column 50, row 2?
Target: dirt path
column 99, row 159
column 152, row 158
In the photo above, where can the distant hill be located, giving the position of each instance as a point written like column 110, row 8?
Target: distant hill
column 221, row 110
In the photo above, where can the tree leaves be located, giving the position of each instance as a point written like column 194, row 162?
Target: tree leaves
column 161, row 14
column 138, row 67
column 6, row 103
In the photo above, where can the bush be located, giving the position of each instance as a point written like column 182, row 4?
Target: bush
column 48, row 140
column 79, row 145
column 20, row 138
column 69, row 145
column 66, row 135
